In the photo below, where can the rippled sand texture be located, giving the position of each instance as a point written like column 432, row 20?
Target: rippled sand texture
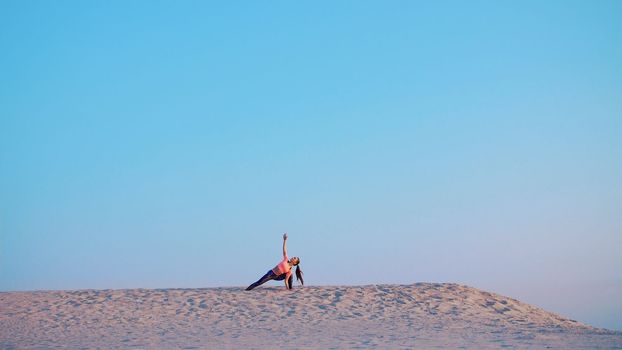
column 422, row 315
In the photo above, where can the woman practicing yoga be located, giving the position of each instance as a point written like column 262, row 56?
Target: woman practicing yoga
column 282, row 271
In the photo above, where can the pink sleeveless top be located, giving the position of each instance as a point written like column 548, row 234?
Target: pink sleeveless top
column 283, row 267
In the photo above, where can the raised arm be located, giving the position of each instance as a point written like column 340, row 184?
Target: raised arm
column 284, row 245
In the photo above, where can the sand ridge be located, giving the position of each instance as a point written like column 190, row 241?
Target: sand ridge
column 421, row 315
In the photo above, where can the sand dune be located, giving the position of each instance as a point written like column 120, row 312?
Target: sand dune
column 422, row 315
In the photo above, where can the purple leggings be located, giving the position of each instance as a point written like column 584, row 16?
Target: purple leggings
column 271, row 276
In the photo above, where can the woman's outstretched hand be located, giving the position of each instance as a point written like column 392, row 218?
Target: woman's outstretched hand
column 285, row 236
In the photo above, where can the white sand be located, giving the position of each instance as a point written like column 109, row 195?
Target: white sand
column 422, row 315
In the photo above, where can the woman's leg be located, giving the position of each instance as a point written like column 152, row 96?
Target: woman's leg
column 290, row 280
column 268, row 276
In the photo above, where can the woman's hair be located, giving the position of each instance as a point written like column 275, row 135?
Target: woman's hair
column 299, row 273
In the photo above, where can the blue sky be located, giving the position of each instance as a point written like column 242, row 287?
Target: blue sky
column 167, row 144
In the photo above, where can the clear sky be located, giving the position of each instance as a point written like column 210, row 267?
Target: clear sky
column 169, row 144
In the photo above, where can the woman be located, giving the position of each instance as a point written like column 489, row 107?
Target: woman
column 282, row 271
